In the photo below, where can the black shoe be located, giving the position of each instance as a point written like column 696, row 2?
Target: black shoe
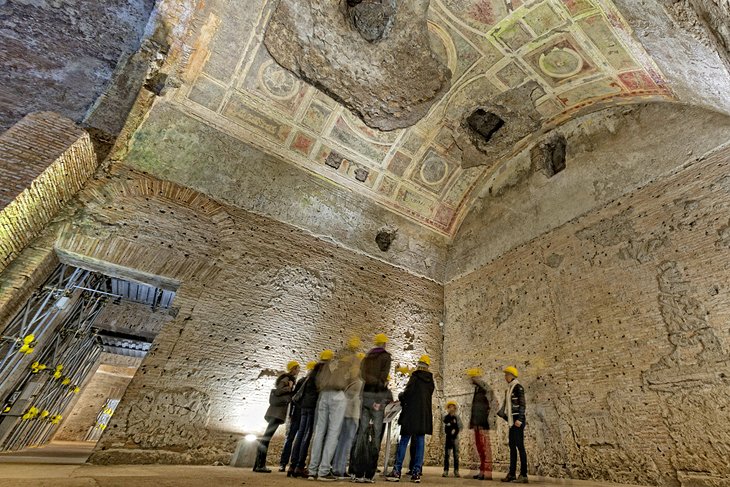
column 522, row 479
column 509, row 478
column 328, row 478
column 416, row 478
column 282, row 468
column 393, row 476
column 456, row 473
column 261, row 470
column 446, row 473
column 478, row 477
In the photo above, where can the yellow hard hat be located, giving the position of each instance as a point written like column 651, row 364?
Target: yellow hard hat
column 475, row 372
column 360, row 355
column 380, row 339
column 354, row 343
column 291, row 365
column 451, row 403
column 311, row 365
column 326, row 355
column 402, row 369
column 425, row 359
column 511, row 370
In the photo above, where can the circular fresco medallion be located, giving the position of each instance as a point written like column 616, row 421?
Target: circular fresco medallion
column 561, row 62
column 433, row 170
column 279, row 82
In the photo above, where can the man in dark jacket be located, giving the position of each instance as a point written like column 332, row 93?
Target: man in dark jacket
column 374, row 371
column 479, row 422
column 279, row 400
column 308, row 405
column 416, row 419
column 513, row 411
column 295, row 416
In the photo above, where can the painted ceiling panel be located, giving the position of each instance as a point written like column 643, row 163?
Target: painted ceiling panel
column 580, row 52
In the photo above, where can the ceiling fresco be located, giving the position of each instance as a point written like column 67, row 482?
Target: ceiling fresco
column 580, row 52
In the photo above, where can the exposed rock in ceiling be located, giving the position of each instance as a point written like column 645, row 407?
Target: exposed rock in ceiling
column 535, row 64
column 372, row 56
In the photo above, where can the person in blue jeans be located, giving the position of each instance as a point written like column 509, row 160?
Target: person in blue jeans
column 416, row 419
column 295, row 416
column 306, row 422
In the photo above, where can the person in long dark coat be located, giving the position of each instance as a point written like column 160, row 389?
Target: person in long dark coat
column 306, row 422
column 279, row 400
column 416, row 419
column 479, row 422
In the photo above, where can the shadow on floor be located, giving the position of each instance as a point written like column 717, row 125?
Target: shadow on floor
column 56, row 452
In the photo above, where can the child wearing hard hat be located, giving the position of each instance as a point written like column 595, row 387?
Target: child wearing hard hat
column 416, row 418
column 513, row 411
column 452, row 427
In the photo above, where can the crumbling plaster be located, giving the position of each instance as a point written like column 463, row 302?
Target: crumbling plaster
column 609, row 154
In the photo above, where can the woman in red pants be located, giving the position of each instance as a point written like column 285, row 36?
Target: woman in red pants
column 479, row 422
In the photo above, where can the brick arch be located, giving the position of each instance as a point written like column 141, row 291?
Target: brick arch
column 139, row 185
column 89, row 235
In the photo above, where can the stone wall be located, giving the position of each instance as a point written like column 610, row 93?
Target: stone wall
column 254, row 294
column 108, row 382
column 609, row 153
column 133, row 319
column 620, row 324
column 60, row 55
column 174, row 146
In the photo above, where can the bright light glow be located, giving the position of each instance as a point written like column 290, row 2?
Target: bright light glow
column 250, row 438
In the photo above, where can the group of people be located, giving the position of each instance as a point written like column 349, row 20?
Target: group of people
column 339, row 408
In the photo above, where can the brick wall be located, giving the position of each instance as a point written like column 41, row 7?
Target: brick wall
column 620, row 323
column 254, row 294
column 133, row 319
column 44, row 160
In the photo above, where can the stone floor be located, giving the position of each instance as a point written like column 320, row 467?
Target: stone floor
column 44, row 475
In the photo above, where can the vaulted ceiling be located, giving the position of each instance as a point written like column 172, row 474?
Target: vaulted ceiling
column 573, row 55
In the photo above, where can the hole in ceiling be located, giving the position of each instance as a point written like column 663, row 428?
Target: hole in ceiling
column 484, row 123
column 550, row 155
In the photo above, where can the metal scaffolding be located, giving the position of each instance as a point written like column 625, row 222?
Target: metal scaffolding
column 102, row 420
column 58, row 319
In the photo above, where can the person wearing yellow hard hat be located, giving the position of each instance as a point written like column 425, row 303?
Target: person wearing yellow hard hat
column 452, row 428
column 279, row 399
column 374, row 371
column 295, row 417
column 416, row 419
column 479, row 422
column 513, row 411
column 305, row 400
column 353, row 392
